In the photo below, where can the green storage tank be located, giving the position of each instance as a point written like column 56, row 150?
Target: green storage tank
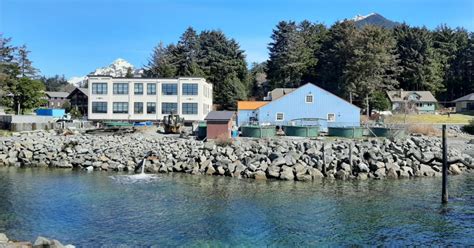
column 258, row 131
column 202, row 130
column 387, row 132
column 301, row 131
column 347, row 132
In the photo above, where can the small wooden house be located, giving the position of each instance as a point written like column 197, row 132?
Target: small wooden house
column 465, row 103
column 219, row 124
column 79, row 99
column 412, row 101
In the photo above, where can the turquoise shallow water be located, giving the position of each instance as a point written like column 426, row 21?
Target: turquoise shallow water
column 97, row 209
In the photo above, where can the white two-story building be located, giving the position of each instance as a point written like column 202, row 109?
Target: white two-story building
column 148, row 99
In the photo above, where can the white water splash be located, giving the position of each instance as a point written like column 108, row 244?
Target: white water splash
column 141, row 177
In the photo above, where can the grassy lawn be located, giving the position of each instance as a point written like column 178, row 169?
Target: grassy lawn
column 430, row 119
column 5, row 133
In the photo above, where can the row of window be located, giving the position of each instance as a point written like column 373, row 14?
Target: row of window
column 166, row 108
column 166, row 89
column 425, row 104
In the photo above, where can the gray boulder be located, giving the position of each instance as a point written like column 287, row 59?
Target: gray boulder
column 259, row 175
column 363, row 167
column 392, row 174
column 303, row 177
column 220, row 170
column 426, row 170
column 345, row 167
column 50, row 243
column 342, row 175
column 286, row 173
column 362, row 176
column 315, row 173
column 278, row 161
column 380, row 173
column 3, row 238
column 273, row 171
column 454, row 169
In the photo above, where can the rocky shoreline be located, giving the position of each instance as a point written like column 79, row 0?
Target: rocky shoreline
column 278, row 158
column 40, row 242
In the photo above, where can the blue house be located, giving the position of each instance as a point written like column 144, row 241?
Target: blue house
column 307, row 102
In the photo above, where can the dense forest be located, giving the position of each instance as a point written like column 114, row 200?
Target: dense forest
column 343, row 59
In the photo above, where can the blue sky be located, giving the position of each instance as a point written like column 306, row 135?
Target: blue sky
column 74, row 37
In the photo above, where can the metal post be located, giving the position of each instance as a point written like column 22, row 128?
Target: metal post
column 444, row 197
column 367, row 102
column 350, row 97
column 324, row 160
column 350, row 155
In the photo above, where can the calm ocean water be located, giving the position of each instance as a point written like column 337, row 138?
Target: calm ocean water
column 106, row 209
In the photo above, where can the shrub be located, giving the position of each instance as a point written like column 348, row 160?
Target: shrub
column 469, row 128
column 428, row 130
column 223, row 140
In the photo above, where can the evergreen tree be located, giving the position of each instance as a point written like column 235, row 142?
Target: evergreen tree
column 8, row 66
column 462, row 70
column 373, row 66
column 55, row 83
column 25, row 93
column 223, row 64
column 419, row 68
column 24, row 63
column 288, row 56
column 129, row 73
column 258, row 80
column 335, row 53
column 185, row 54
column 313, row 36
column 7, row 51
column 160, row 63
column 448, row 43
column 16, row 89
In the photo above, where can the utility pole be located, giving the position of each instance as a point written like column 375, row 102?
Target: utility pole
column 350, row 97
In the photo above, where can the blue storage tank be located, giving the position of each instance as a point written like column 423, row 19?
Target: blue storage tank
column 51, row 112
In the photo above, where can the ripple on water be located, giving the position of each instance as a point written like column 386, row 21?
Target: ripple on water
column 96, row 209
column 136, row 178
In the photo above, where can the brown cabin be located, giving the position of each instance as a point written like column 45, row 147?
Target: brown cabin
column 219, row 124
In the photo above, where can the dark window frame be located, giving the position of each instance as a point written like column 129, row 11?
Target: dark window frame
column 165, row 107
column 149, row 105
column 190, row 89
column 99, row 107
column 138, row 106
column 120, row 107
column 138, row 88
column 96, row 91
column 169, row 89
column 187, row 108
column 151, row 88
column 120, row 88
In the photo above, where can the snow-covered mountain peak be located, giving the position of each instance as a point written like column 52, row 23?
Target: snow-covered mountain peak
column 118, row 68
column 362, row 17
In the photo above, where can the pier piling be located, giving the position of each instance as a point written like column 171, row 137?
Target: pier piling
column 444, row 194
